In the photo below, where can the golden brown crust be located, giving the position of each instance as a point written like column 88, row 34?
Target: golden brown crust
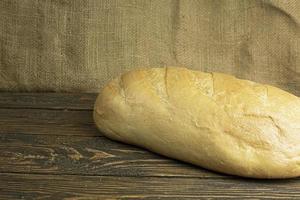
column 212, row 120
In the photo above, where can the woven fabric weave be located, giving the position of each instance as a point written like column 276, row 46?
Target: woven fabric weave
column 67, row 45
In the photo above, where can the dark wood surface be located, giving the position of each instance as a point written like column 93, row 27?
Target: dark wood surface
column 51, row 149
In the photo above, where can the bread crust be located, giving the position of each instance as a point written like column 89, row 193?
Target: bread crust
column 212, row 120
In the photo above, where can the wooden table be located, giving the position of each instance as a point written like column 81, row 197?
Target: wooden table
column 50, row 149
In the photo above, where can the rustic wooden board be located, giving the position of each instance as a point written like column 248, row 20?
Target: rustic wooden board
column 43, row 121
column 59, row 101
column 87, row 155
column 36, row 186
column 51, row 149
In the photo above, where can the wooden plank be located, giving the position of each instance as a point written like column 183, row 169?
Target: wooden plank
column 73, row 101
column 34, row 186
column 54, row 122
column 87, row 155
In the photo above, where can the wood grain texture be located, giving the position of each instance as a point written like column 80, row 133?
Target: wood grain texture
column 43, row 121
column 104, row 187
column 51, row 149
column 89, row 156
column 59, row 101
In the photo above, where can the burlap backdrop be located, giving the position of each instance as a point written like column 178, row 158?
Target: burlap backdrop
column 78, row 45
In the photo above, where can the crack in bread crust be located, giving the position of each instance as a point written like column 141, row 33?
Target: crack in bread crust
column 166, row 82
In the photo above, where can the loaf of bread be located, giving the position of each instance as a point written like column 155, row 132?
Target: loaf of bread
column 212, row 120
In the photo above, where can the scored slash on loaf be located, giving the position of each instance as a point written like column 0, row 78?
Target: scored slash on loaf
column 212, row 120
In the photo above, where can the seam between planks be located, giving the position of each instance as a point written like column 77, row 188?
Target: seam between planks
column 118, row 176
column 224, row 177
column 47, row 134
column 45, row 108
